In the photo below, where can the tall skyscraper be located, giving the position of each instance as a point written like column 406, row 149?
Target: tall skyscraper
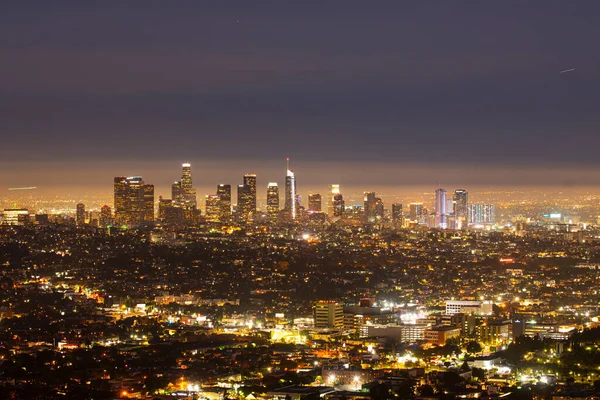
column 182, row 191
column 186, row 176
column 246, row 206
column 314, row 202
column 461, row 203
column 290, row 205
column 334, row 189
column 440, row 208
column 370, row 205
column 213, row 207
column 105, row 216
column 224, row 193
column 339, row 206
column 397, row 215
column 482, row 214
column 272, row 201
column 80, row 215
column 134, row 201
column 416, row 212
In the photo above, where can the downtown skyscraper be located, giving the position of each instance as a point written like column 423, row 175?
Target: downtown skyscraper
column 461, row 203
column 290, row 204
column 224, row 193
column 133, row 201
column 440, row 208
column 246, row 203
column 272, row 201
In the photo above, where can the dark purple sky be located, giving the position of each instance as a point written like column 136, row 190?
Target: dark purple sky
column 111, row 86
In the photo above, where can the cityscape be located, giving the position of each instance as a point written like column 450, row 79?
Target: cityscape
column 278, row 200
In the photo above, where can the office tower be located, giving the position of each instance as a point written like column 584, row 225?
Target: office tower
column 134, row 201
column 80, row 215
column 182, row 191
column 213, row 207
column 120, row 198
column 397, row 215
column 272, row 201
column 250, row 183
column 176, row 191
column 440, row 208
column 314, row 202
column 481, row 214
column 186, row 176
column 224, row 193
column 105, row 216
column 328, row 314
column 334, row 190
column 339, row 205
column 378, row 209
column 170, row 212
column 461, row 202
column 370, row 202
column 246, row 204
column 16, row 216
column 290, row 204
column 415, row 211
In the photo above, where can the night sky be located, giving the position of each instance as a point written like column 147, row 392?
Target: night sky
column 358, row 92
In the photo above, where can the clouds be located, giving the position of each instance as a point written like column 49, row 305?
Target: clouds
column 345, row 81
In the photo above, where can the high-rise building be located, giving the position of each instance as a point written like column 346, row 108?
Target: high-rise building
column 461, row 203
column 272, row 201
column 370, row 204
column 397, row 215
column 415, row 212
column 224, row 193
column 80, row 214
column 246, row 206
column 379, row 209
column 334, row 189
column 314, row 202
column 186, row 176
column 171, row 212
column 290, row 204
column 134, row 201
column 213, row 207
column 481, row 214
column 16, row 216
column 105, row 217
column 440, row 208
column 328, row 314
column 339, row 205
column 182, row 191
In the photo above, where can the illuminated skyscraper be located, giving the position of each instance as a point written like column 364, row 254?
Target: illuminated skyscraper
column 80, row 215
column 314, row 202
column 339, row 206
column 272, row 201
column 186, row 176
column 224, row 193
column 290, row 205
column 370, row 205
column 213, row 207
column 397, row 215
column 440, row 208
column 482, row 214
column 461, row 203
column 182, row 191
column 246, row 206
column 334, row 189
column 134, row 201
column 105, row 216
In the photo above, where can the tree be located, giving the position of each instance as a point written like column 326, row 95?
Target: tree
column 474, row 347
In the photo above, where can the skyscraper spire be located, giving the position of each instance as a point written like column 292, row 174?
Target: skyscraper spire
column 290, row 191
